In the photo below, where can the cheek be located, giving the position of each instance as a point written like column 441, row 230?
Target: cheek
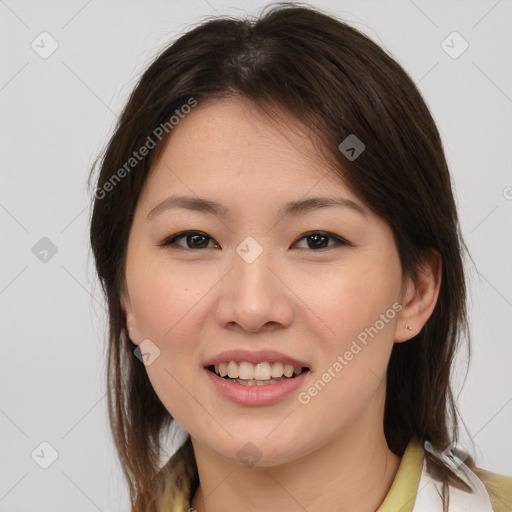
column 164, row 303
column 357, row 306
column 352, row 300
column 164, row 297
column 354, row 357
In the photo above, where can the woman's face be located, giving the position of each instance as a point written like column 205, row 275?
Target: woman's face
column 251, row 280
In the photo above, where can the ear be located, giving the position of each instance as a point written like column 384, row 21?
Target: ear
column 420, row 297
column 131, row 324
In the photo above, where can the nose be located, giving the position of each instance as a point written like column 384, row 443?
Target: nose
column 255, row 295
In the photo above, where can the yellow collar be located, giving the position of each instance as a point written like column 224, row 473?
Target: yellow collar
column 402, row 494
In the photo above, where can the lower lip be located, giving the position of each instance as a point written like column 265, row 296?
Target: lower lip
column 255, row 395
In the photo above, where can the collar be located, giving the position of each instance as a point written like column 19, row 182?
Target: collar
column 402, row 493
column 415, row 490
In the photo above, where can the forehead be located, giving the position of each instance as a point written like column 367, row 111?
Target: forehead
column 229, row 144
column 240, row 119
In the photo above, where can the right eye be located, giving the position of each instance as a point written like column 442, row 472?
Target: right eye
column 193, row 239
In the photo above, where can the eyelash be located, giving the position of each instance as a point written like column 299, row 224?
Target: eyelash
column 170, row 241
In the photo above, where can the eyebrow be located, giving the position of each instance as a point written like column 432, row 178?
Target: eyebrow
column 293, row 208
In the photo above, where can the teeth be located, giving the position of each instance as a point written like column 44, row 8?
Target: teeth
column 264, row 371
column 254, row 382
column 246, row 371
column 277, row 370
column 221, row 369
column 232, row 370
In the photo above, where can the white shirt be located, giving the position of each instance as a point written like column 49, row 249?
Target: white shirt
column 429, row 497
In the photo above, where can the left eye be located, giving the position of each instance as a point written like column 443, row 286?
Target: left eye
column 199, row 240
column 317, row 237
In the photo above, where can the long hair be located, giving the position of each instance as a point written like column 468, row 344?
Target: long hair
column 335, row 81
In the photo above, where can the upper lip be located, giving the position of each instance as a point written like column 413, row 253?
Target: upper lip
column 259, row 356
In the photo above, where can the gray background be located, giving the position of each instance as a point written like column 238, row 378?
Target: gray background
column 56, row 115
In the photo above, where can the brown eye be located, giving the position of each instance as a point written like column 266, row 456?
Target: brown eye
column 319, row 240
column 193, row 240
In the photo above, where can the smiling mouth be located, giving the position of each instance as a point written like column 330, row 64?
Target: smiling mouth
column 257, row 381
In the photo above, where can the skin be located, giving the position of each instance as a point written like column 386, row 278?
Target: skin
column 328, row 454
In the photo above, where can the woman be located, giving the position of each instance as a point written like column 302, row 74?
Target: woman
column 276, row 236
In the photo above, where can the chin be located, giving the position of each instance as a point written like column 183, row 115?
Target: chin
column 250, row 452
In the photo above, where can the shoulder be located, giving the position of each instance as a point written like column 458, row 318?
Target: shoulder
column 491, row 492
column 499, row 488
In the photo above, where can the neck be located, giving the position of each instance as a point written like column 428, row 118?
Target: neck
column 353, row 472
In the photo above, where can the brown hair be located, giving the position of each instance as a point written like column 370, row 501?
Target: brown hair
column 335, row 81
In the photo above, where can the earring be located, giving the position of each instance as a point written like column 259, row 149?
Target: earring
column 408, row 327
